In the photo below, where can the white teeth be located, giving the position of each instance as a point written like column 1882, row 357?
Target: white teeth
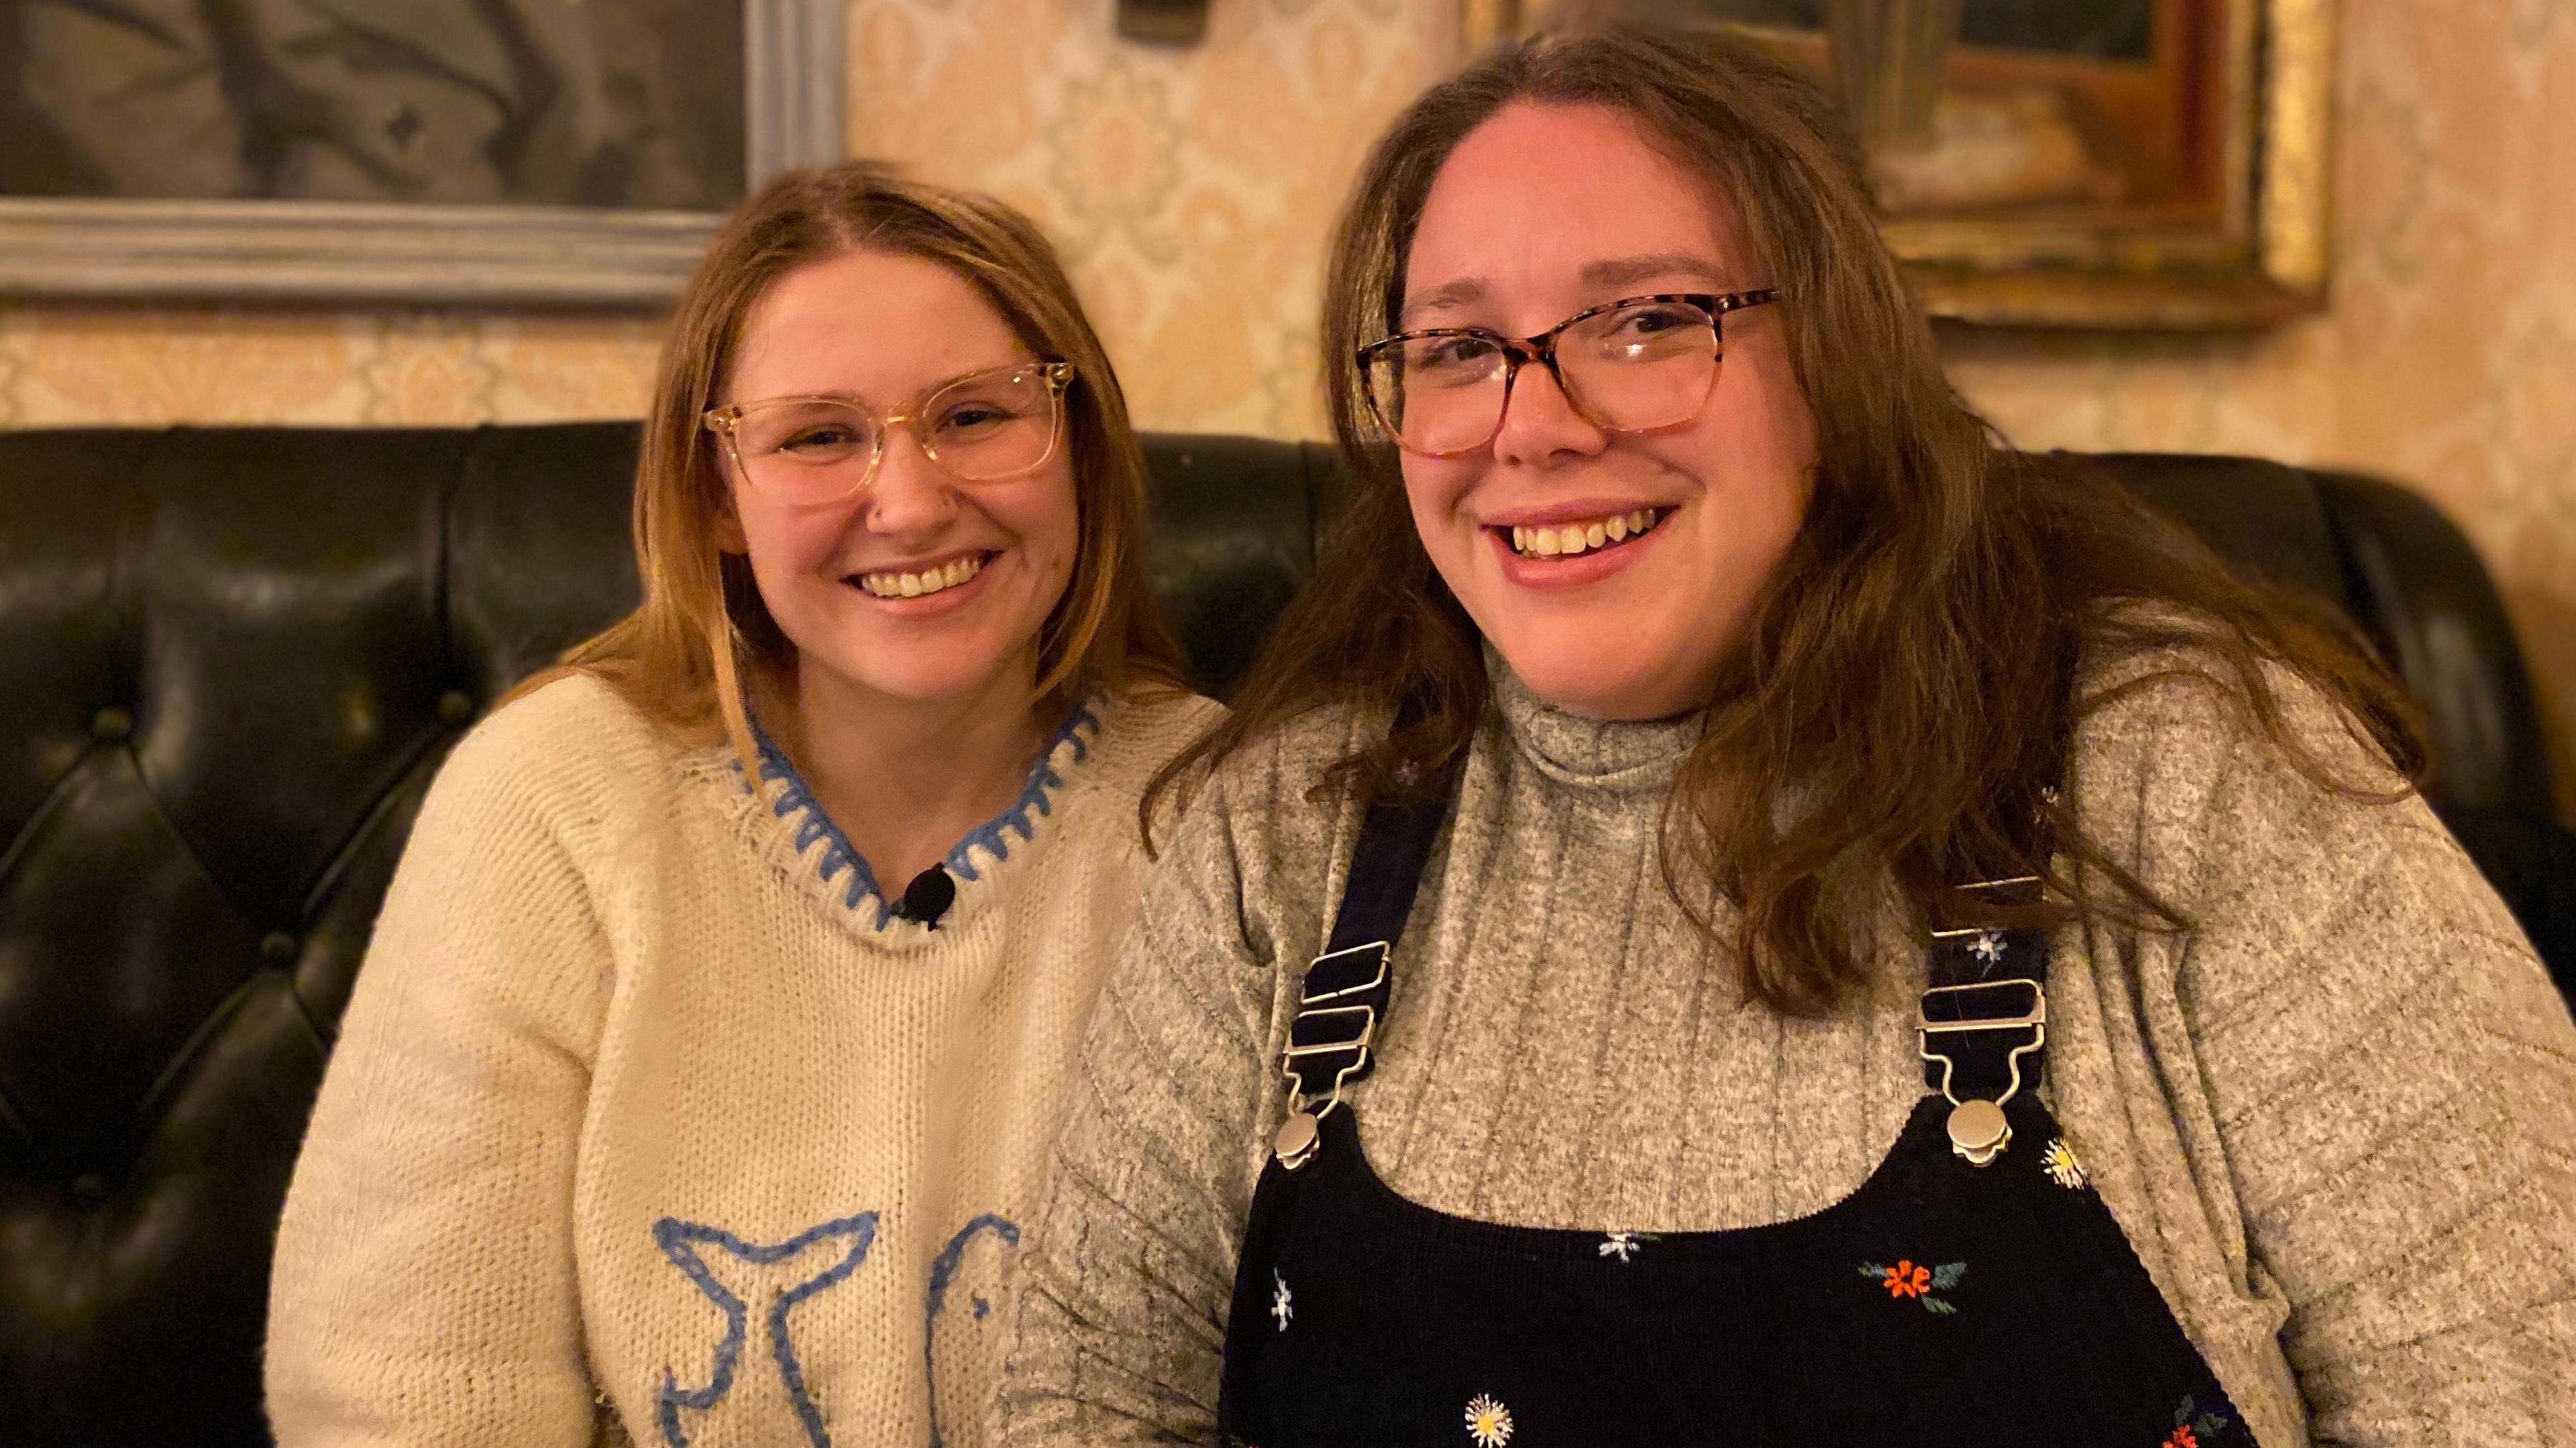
column 892, row 584
column 1566, row 540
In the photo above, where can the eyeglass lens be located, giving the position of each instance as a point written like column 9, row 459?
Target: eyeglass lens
column 996, row 424
column 1641, row 366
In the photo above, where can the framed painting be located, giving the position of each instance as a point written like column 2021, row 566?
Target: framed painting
column 2106, row 163
column 476, row 151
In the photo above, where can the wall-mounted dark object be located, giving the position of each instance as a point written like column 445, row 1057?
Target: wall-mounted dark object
column 1164, row 22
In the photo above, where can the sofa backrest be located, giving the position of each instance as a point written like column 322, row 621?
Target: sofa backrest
column 231, row 661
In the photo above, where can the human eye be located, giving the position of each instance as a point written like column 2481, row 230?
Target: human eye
column 806, row 433
column 820, row 437
column 1466, row 357
column 1647, row 330
column 979, row 414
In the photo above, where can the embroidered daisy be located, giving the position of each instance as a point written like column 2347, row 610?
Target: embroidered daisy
column 2063, row 1168
column 1280, row 1303
column 1988, row 946
column 1488, row 1422
column 1622, row 1245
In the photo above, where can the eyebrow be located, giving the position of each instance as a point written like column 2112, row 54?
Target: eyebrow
column 1609, row 273
column 1629, row 270
column 1465, row 291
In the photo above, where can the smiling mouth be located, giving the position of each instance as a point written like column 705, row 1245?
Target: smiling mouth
column 1585, row 535
column 897, row 583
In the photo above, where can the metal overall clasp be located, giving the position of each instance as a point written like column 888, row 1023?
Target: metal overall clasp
column 1978, row 1131
column 1329, row 1020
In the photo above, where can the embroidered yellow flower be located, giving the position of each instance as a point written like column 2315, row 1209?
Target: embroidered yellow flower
column 2063, row 1168
column 1488, row 1422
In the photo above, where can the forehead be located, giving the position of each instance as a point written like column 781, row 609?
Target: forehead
column 870, row 324
column 1539, row 192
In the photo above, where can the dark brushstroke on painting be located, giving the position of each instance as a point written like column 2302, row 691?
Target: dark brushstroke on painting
column 603, row 103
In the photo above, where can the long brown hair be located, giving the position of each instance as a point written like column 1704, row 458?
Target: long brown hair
column 1908, row 666
column 681, row 657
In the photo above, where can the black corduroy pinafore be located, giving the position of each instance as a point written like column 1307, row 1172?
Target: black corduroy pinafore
column 1973, row 1291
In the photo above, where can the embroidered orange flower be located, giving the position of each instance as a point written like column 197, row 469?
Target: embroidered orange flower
column 2183, row 1437
column 1905, row 1279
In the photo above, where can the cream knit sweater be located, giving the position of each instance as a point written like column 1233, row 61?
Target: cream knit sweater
column 647, row 1120
column 2337, row 1119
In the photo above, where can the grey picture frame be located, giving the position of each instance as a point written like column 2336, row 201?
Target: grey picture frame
column 794, row 61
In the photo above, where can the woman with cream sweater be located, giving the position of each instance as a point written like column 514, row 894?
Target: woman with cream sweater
column 700, row 1073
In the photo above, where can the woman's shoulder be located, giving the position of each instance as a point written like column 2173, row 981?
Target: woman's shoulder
column 573, row 744
column 1131, row 736
column 2254, row 788
column 2170, row 704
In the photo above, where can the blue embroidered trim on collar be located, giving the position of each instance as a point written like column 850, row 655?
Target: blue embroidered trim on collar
column 992, row 836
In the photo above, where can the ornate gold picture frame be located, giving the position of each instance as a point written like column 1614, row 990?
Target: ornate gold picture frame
column 2213, row 211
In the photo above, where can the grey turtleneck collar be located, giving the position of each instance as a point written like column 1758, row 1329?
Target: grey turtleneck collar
column 1578, row 750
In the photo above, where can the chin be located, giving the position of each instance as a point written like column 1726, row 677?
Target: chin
column 1577, row 676
column 929, row 676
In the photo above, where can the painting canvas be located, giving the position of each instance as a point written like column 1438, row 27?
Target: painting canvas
column 545, row 150
column 2103, row 104
column 2098, row 162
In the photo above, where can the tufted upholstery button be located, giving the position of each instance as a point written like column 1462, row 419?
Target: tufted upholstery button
column 89, row 1189
column 111, row 725
column 456, row 706
column 277, row 947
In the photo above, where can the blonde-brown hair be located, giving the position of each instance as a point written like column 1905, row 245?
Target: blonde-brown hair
column 681, row 657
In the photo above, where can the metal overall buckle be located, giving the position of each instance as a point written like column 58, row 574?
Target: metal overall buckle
column 1978, row 1131
column 1354, row 1031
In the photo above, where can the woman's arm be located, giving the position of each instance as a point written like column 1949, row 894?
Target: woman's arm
column 2393, row 1081
column 424, row 1289
column 1125, row 1281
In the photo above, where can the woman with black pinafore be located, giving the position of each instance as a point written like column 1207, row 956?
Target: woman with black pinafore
column 1737, row 911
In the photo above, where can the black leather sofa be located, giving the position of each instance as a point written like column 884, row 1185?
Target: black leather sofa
column 230, row 662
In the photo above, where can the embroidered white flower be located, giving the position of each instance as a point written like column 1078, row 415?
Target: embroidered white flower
column 2062, row 1166
column 1988, row 946
column 1488, row 1422
column 1280, row 1303
column 1622, row 1245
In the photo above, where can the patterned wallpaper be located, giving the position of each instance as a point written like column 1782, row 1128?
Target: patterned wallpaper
column 1191, row 189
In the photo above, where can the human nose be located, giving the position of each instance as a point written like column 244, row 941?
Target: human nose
column 1540, row 421
column 911, row 492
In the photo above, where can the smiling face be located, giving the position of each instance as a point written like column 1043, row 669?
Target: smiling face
column 985, row 562
column 1540, row 213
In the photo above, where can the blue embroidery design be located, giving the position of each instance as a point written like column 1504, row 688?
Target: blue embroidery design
column 680, row 1242
column 992, row 836
column 943, row 1270
column 797, row 799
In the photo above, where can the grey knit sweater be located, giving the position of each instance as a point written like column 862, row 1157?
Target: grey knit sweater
column 2337, row 1118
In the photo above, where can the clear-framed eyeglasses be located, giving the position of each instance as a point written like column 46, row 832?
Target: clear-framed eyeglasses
column 1632, row 365
column 982, row 427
